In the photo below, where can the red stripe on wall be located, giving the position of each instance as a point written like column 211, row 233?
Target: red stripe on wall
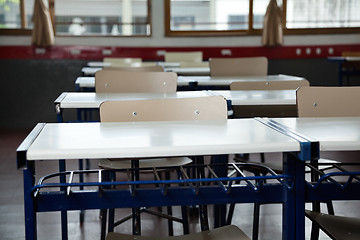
column 152, row 53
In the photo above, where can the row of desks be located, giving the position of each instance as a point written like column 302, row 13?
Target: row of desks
column 200, row 82
column 300, row 139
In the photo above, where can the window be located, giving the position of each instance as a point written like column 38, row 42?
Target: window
column 237, row 17
column 102, row 17
column 16, row 15
column 322, row 13
column 81, row 17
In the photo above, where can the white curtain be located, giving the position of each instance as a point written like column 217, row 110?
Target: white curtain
column 273, row 32
column 42, row 33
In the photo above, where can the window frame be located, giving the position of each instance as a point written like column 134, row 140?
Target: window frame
column 250, row 30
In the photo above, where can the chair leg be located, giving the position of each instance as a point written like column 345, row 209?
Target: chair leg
column 185, row 222
column 136, row 221
column 262, row 155
column 314, row 227
column 330, row 207
column 203, row 214
column 256, row 220
column 111, row 220
column 230, row 214
column 170, row 222
column 103, row 213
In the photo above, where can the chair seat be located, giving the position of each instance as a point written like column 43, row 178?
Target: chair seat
column 337, row 227
column 229, row 232
column 144, row 163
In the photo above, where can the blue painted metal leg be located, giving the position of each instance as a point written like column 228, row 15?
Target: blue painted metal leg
column 294, row 204
column 64, row 227
column 30, row 214
column 220, row 210
column 136, row 211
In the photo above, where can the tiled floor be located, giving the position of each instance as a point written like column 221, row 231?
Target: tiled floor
column 12, row 216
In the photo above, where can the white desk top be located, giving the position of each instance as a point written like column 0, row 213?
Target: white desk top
column 156, row 139
column 90, row 70
column 206, row 80
column 98, row 64
column 93, row 100
column 342, row 59
column 202, row 71
column 334, row 134
column 266, row 97
column 226, row 81
column 88, row 82
column 108, row 64
column 249, row 98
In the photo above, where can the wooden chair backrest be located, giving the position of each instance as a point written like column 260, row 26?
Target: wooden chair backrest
column 109, row 81
column 252, row 66
column 156, row 68
column 175, row 109
column 266, row 85
column 196, row 56
column 328, row 102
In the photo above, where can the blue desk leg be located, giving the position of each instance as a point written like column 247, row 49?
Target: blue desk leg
column 220, row 210
column 294, row 204
column 29, row 205
column 64, row 227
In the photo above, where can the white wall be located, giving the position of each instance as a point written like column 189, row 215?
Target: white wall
column 158, row 38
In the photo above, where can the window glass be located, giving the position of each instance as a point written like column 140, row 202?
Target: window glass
column 211, row 15
column 322, row 13
column 102, row 17
column 259, row 10
column 10, row 16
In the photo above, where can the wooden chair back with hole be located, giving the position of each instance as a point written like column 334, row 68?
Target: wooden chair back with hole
column 108, row 81
column 252, row 66
column 200, row 108
column 328, row 101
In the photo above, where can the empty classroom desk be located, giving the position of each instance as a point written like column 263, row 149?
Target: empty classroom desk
column 260, row 103
column 92, row 100
column 72, row 141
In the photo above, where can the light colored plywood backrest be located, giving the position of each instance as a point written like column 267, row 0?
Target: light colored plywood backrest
column 196, row 56
column 328, row 101
column 114, row 60
column 156, row 68
column 201, row 108
column 252, row 66
column 351, row 54
column 271, row 85
column 109, row 81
